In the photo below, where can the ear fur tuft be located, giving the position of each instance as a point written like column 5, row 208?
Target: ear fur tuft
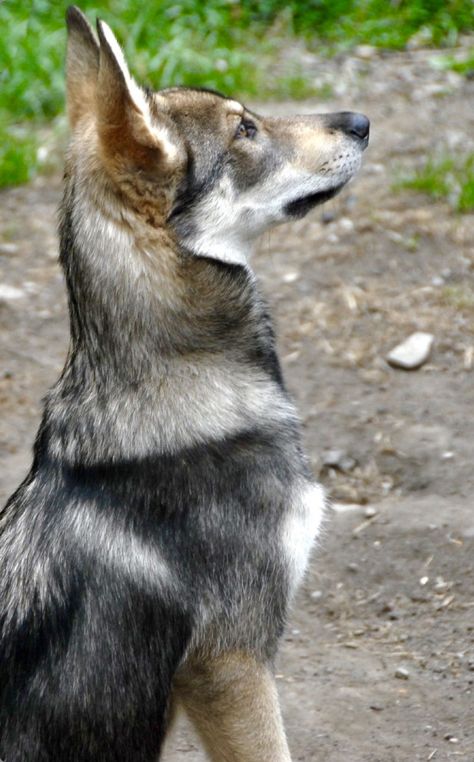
column 82, row 65
column 77, row 23
column 113, row 63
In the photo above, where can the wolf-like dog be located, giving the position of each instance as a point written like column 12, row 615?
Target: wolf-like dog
column 149, row 558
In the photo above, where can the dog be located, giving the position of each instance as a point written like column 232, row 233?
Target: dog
column 150, row 556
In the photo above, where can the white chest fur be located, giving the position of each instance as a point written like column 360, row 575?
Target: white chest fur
column 301, row 528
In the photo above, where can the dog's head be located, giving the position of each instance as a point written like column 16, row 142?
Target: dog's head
column 215, row 172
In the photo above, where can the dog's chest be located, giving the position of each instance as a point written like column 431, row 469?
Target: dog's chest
column 300, row 528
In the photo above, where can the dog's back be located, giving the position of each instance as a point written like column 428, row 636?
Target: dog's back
column 149, row 558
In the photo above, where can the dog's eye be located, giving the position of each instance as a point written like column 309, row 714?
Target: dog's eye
column 246, row 130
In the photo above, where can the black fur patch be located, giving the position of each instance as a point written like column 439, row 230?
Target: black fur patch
column 301, row 206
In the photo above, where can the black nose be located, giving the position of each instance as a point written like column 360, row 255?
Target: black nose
column 358, row 125
column 355, row 125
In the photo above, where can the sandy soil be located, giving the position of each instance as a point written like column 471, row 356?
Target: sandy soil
column 391, row 586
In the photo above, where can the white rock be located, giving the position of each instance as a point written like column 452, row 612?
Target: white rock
column 365, row 51
column 339, row 459
column 346, row 225
column 8, row 293
column 8, row 248
column 413, row 352
column 402, row 673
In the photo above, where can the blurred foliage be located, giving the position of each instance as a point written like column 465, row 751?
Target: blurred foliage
column 464, row 65
column 460, row 296
column 18, row 156
column 229, row 45
column 449, row 178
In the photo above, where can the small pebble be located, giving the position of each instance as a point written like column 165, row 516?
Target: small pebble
column 448, row 455
column 8, row 248
column 316, row 595
column 340, row 460
column 370, row 512
column 327, row 217
column 8, row 293
column 421, row 597
column 411, row 353
column 346, row 224
column 449, row 737
column 402, row 673
column 365, row 51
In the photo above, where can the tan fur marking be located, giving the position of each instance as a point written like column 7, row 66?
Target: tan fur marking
column 233, row 703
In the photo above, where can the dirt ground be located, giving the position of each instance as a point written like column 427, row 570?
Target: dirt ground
column 378, row 661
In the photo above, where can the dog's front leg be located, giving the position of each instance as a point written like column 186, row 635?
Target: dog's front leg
column 233, row 703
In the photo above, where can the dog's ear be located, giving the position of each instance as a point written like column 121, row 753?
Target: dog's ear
column 82, row 65
column 124, row 122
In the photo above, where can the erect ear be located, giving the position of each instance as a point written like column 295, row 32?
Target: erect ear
column 82, row 65
column 124, row 121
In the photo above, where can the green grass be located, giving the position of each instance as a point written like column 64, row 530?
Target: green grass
column 465, row 66
column 235, row 46
column 462, row 65
column 459, row 296
column 384, row 23
column 447, row 178
column 18, row 157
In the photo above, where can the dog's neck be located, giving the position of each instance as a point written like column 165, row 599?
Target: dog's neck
column 137, row 300
column 172, row 349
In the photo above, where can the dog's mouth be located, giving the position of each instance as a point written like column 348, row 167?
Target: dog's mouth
column 301, row 206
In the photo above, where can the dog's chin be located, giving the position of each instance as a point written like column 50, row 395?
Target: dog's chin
column 301, row 206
